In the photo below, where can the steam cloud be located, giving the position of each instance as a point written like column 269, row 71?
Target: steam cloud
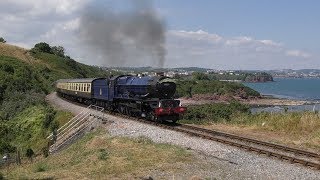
column 135, row 37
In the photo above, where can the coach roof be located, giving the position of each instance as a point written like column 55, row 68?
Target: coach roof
column 84, row 80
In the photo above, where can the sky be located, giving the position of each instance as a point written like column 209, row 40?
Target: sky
column 224, row 34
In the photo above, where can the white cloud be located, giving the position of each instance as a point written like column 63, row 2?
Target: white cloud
column 200, row 48
column 199, row 35
column 31, row 21
column 298, row 53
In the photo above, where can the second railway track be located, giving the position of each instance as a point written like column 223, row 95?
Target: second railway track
column 292, row 155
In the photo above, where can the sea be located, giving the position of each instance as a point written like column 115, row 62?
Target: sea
column 290, row 88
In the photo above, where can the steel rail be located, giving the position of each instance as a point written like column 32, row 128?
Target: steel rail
column 213, row 137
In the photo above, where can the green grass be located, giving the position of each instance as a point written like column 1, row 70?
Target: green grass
column 299, row 128
column 28, row 127
column 23, row 87
column 98, row 155
column 62, row 67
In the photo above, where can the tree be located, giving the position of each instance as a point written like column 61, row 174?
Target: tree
column 30, row 154
column 2, row 40
column 42, row 47
column 200, row 76
column 58, row 50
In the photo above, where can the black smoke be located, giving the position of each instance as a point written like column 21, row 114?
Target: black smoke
column 131, row 37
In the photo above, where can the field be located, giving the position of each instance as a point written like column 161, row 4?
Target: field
column 98, row 155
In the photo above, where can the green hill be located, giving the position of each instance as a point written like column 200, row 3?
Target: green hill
column 25, row 79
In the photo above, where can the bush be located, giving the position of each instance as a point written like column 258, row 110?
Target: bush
column 103, row 154
column 58, row 50
column 2, row 40
column 212, row 87
column 41, row 167
column 1, row 176
column 42, row 47
column 200, row 76
column 29, row 153
column 45, row 151
column 214, row 112
column 49, row 117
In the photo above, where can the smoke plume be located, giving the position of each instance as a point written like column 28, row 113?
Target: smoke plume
column 134, row 37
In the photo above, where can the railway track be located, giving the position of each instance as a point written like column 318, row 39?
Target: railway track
column 292, row 155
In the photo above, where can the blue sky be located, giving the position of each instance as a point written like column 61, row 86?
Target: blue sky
column 224, row 34
column 295, row 23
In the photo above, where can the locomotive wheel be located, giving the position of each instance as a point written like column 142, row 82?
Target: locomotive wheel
column 153, row 117
column 159, row 120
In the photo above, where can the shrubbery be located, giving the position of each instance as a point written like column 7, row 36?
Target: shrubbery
column 2, row 40
column 212, row 87
column 46, row 48
column 25, row 117
column 214, row 112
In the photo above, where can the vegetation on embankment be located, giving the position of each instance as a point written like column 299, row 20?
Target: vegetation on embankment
column 242, row 76
column 25, row 79
column 98, row 155
column 188, row 88
column 293, row 128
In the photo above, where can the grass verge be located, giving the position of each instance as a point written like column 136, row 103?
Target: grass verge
column 98, row 155
column 300, row 129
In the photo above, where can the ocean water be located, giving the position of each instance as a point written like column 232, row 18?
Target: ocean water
column 290, row 88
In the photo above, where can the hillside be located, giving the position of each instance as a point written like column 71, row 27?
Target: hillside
column 25, row 78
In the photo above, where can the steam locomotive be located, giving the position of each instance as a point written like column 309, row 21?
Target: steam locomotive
column 149, row 97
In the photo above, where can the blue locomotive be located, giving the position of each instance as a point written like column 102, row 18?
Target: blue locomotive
column 147, row 96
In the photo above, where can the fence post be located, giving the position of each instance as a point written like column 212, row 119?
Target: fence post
column 18, row 158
